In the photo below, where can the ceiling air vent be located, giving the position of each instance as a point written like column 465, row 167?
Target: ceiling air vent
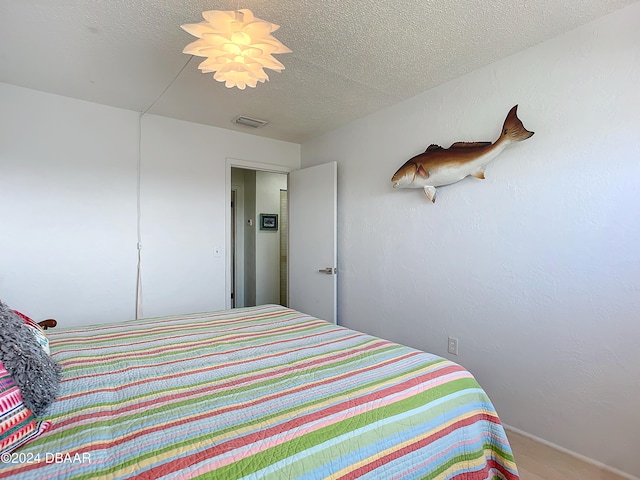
column 250, row 122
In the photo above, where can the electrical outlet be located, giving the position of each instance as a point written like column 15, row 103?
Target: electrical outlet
column 452, row 347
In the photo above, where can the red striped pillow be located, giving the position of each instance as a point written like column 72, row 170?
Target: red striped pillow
column 17, row 424
column 37, row 330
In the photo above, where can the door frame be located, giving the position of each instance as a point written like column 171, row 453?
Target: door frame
column 248, row 165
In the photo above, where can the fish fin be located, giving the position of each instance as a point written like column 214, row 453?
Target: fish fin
column 422, row 172
column 433, row 147
column 513, row 129
column 430, row 192
column 470, row 144
column 479, row 174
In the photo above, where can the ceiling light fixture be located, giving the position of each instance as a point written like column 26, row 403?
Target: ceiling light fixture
column 238, row 47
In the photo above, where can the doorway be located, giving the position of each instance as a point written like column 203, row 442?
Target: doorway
column 259, row 225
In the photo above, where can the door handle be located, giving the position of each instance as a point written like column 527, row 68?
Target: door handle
column 328, row 270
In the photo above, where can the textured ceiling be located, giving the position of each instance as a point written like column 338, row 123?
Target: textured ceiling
column 350, row 57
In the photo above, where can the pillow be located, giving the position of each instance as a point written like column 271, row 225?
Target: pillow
column 17, row 424
column 36, row 373
column 37, row 331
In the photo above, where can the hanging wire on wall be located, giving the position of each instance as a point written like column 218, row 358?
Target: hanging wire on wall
column 139, row 303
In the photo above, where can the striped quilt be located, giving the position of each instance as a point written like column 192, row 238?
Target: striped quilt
column 259, row 393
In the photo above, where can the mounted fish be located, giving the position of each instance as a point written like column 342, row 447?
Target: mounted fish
column 438, row 166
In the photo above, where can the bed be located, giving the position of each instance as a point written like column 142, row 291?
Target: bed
column 258, row 393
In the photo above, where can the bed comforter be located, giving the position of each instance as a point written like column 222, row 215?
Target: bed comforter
column 259, row 393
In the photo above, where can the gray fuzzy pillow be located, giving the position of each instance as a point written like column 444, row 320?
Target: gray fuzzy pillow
column 35, row 372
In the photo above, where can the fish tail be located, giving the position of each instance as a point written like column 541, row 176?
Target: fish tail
column 513, row 130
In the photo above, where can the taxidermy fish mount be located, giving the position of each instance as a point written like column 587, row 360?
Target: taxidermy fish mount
column 439, row 166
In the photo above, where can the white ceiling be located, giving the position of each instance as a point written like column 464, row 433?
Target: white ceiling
column 350, row 57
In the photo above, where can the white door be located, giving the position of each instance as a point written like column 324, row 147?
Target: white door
column 313, row 241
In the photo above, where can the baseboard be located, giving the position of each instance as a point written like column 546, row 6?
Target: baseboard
column 571, row 453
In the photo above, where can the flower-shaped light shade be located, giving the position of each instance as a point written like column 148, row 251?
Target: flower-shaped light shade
column 238, row 47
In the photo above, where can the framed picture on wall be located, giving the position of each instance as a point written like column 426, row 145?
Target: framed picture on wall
column 269, row 221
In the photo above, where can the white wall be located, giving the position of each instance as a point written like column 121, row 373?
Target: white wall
column 183, row 209
column 268, row 186
column 68, row 205
column 537, row 268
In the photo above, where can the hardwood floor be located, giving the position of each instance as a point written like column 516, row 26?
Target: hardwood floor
column 537, row 461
